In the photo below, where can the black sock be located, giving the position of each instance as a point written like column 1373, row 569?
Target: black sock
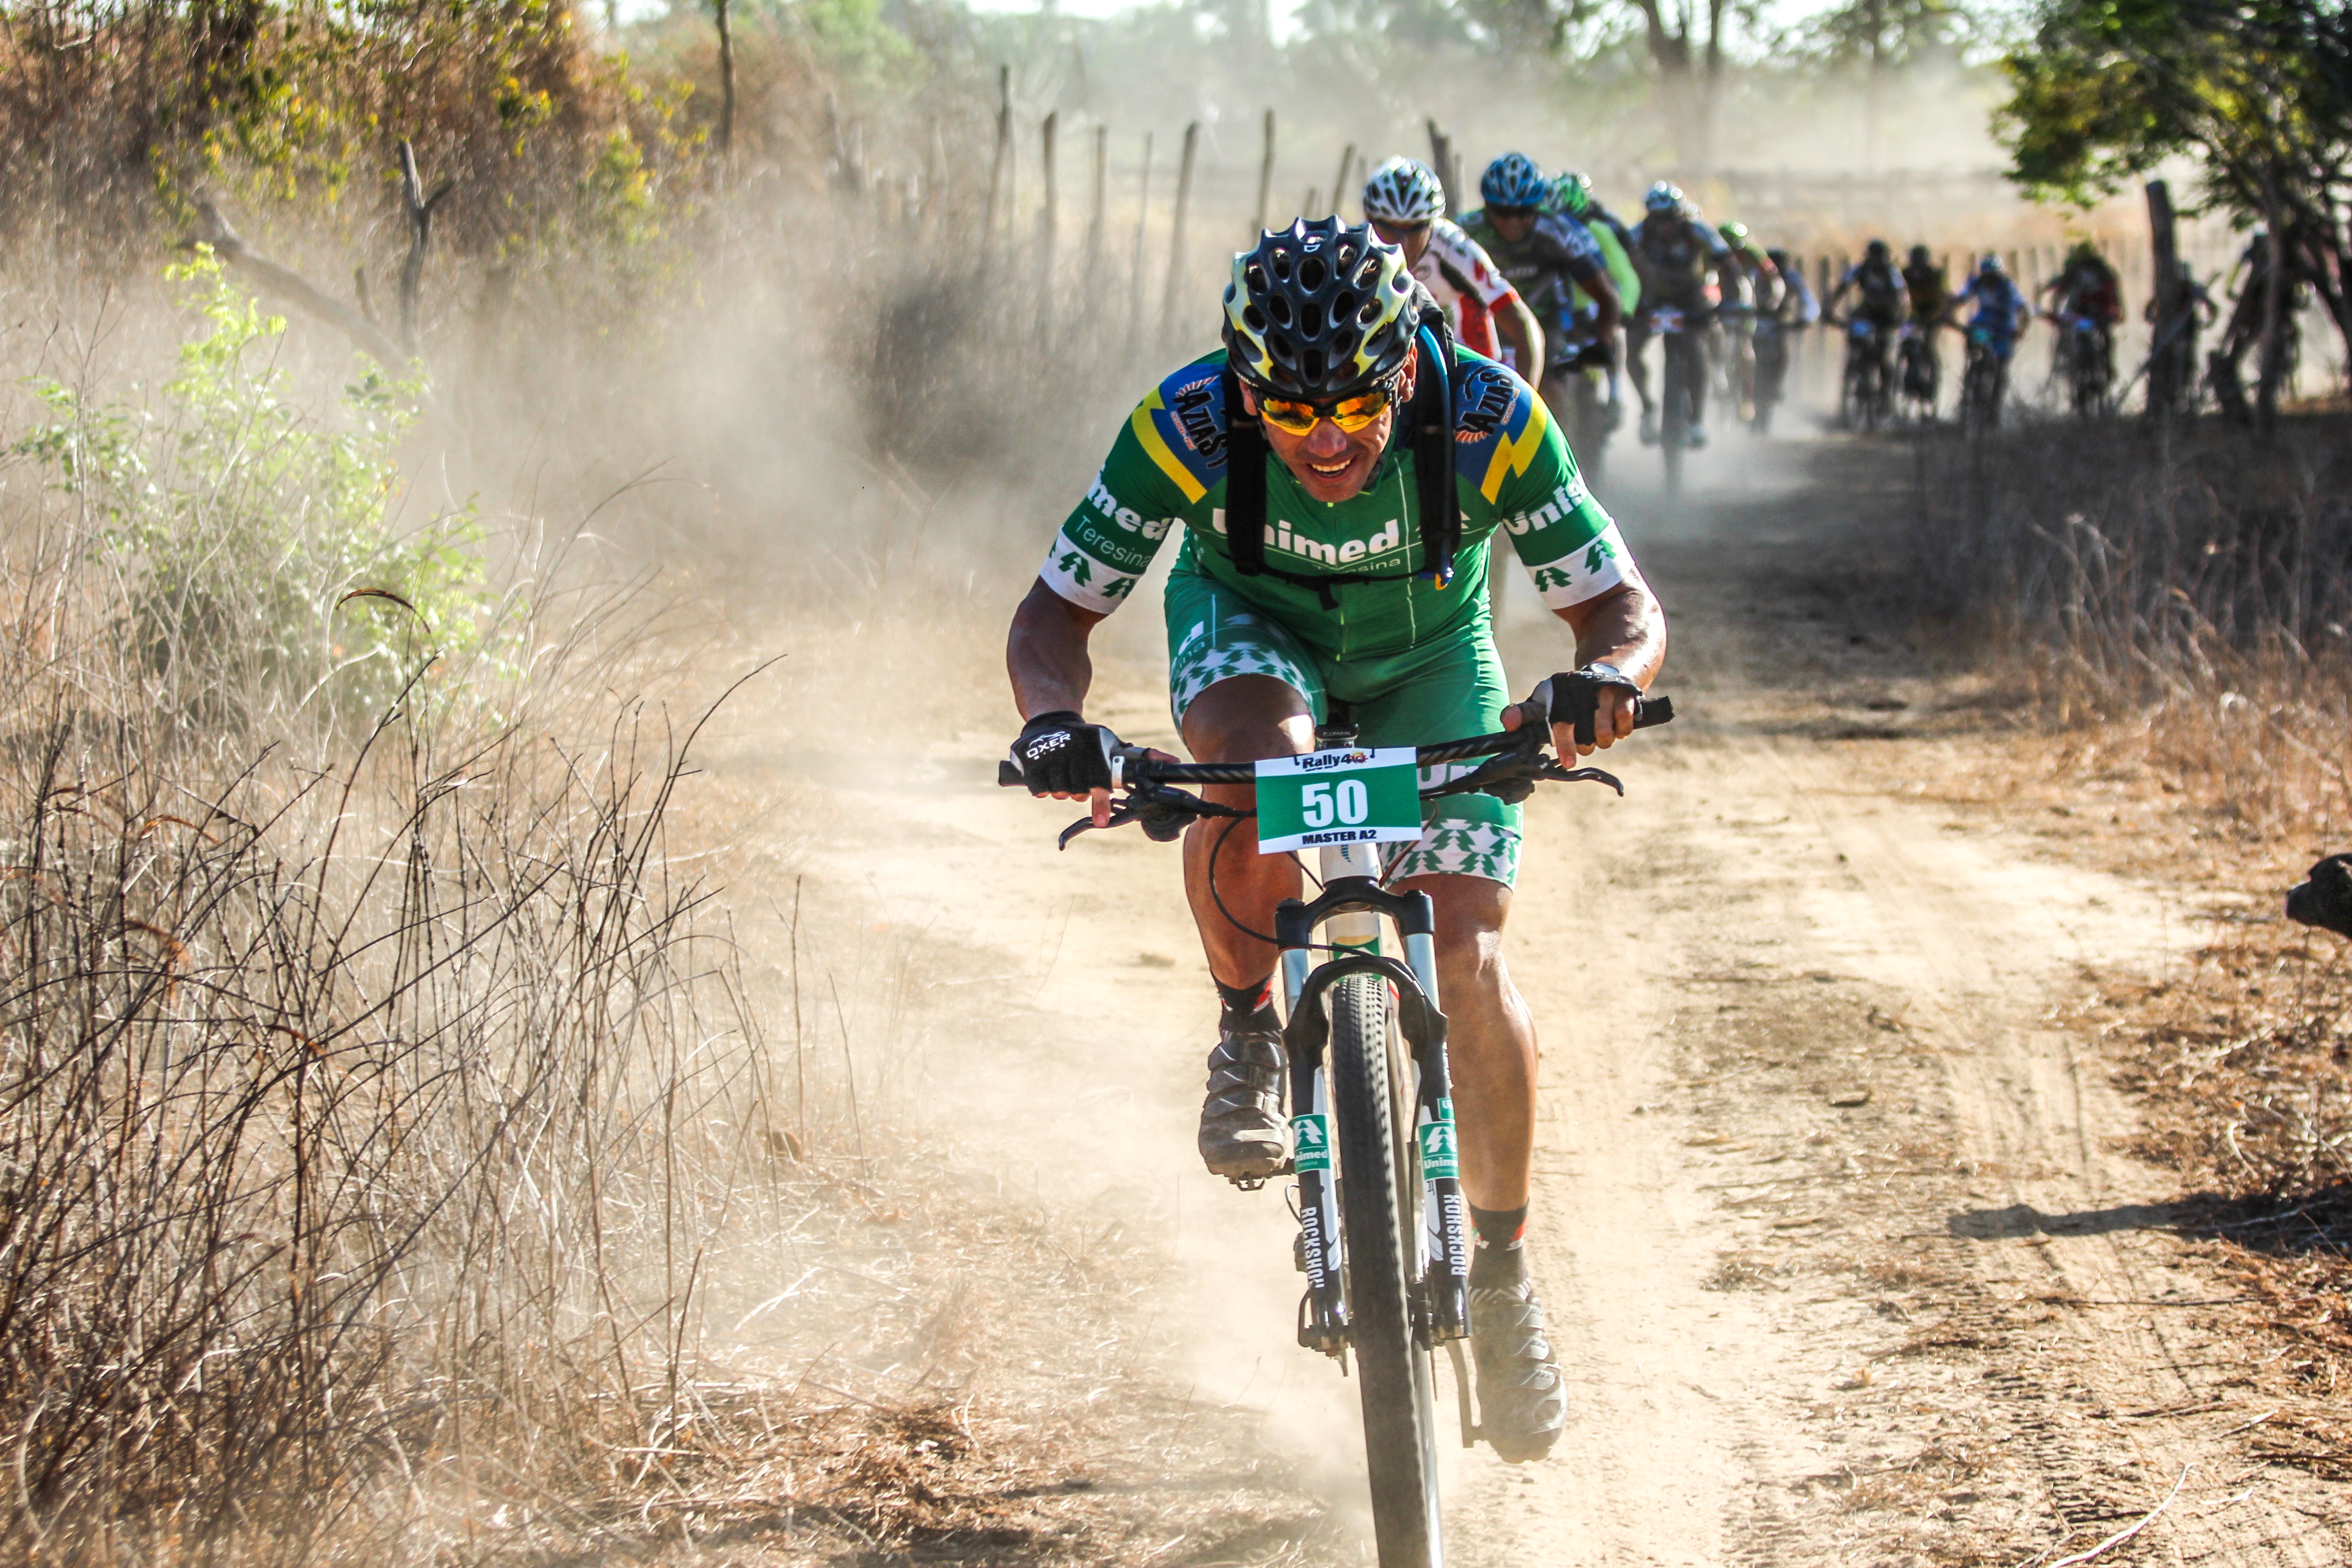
column 1500, row 1257
column 1249, row 1004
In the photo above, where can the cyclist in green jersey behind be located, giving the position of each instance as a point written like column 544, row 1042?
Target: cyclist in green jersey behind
column 1313, row 569
column 1595, row 403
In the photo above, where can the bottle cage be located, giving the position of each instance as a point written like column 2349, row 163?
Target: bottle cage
column 1426, row 423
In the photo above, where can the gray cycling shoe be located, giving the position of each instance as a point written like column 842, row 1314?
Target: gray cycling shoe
column 1242, row 1124
column 1522, row 1403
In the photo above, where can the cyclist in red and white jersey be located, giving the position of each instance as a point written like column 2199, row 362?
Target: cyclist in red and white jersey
column 1406, row 207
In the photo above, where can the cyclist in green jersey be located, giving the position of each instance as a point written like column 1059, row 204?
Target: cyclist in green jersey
column 1346, row 585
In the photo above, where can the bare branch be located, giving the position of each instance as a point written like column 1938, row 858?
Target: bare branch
column 212, row 229
column 419, row 208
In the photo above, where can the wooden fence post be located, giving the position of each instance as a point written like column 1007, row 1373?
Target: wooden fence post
column 1101, row 204
column 1048, row 229
column 1265, row 181
column 997, row 168
column 1340, row 183
column 1142, row 222
column 2170, row 372
column 1441, row 155
column 1175, row 290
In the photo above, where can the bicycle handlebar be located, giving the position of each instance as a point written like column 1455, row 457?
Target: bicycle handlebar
column 1518, row 761
column 1648, row 712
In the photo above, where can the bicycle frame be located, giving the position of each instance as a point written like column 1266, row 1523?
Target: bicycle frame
column 1349, row 909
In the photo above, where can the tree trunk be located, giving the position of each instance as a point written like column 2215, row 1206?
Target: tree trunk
column 2170, row 372
column 2272, row 359
column 726, row 81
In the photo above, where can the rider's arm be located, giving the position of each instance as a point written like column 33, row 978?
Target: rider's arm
column 1155, row 478
column 1516, row 325
column 1047, row 655
column 1624, row 627
column 1572, row 550
column 1608, row 310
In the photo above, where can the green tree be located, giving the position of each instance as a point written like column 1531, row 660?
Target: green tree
column 2258, row 91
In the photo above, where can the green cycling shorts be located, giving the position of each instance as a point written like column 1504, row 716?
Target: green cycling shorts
column 1449, row 689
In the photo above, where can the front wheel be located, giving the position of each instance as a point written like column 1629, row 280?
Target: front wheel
column 1674, row 400
column 1379, row 1228
column 1588, row 407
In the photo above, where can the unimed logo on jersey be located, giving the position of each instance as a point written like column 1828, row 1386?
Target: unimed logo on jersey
column 1325, row 552
column 1566, row 498
column 1098, row 496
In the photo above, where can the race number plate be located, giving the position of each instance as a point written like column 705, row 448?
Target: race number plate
column 1345, row 796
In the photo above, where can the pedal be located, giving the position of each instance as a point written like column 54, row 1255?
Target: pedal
column 1251, row 1183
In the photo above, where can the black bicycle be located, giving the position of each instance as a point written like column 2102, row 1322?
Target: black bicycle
column 1385, row 1231
column 1865, row 394
column 1771, row 362
column 2081, row 361
column 1678, row 380
column 1984, row 377
column 1917, row 373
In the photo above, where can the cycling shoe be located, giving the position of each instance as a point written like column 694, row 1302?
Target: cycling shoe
column 1522, row 1402
column 1242, row 1124
column 1649, row 431
column 1695, row 436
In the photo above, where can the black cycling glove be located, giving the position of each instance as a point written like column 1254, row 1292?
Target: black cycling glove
column 1061, row 753
column 1575, row 698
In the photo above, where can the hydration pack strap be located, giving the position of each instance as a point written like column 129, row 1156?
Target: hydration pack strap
column 1244, row 480
column 1431, row 419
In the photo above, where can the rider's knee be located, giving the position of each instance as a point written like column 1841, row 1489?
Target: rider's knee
column 1245, row 717
column 1470, row 911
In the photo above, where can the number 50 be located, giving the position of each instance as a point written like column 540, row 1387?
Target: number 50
column 1348, row 803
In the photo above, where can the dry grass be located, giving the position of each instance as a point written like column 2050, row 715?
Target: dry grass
column 2177, row 606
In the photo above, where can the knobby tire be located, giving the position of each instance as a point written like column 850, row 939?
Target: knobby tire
column 1673, row 399
column 1377, row 1225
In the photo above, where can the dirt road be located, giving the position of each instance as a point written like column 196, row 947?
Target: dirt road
column 1844, row 1261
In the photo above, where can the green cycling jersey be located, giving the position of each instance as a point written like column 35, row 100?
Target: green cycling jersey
column 1347, row 585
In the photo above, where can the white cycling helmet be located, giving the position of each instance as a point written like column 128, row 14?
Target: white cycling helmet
column 1403, row 191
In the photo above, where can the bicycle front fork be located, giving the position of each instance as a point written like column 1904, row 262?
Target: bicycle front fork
column 1349, row 909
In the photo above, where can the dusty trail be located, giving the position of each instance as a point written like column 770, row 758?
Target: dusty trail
column 1842, row 1263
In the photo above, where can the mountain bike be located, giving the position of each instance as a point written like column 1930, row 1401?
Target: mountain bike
column 1680, row 350
column 1384, row 1230
column 1865, row 399
column 1771, row 349
column 2082, row 362
column 1916, row 373
column 1984, row 376
column 1592, row 418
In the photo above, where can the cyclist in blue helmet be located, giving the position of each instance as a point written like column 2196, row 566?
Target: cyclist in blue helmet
column 1557, row 266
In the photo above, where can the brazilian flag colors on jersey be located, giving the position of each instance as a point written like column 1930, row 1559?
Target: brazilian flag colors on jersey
column 1513, row 472
column 1416, row 662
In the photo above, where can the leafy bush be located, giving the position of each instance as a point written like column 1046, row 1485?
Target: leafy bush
column 259, row 551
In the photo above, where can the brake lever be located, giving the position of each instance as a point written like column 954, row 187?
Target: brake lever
column 1164, row 812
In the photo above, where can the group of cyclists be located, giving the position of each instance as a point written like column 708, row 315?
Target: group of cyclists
column 1897, row 311
column 1550, row 281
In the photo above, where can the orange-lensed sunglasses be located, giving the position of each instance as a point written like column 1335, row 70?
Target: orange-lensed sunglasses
column 1349, row 414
